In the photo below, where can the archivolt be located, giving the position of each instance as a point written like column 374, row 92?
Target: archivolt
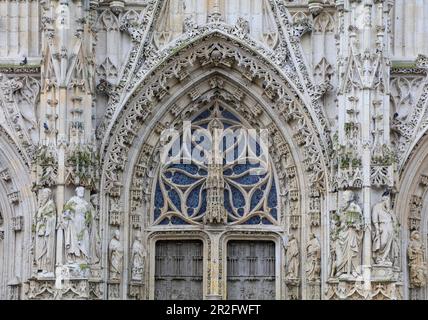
column 17, row 203
column 215, row 50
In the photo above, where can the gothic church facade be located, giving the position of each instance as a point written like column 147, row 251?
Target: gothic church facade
column 89, row 209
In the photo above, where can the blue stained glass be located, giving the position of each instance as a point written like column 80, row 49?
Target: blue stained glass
column 193, row 198
column 227, row 205
column 159, row 201
column 190, row 168
column 230, row 116
column 253, row 220
column 157, row 213
column 248, row 179
column 273, row 198
column 266, row 221
column 175, row 198
column 177, row 221
column 241, row 168
column 238, row 198
column 274, row 213
column 204, row 202
column 234, row 202
column 241, row 211
column 228, row 172
column 256, row 198
column 164, row 222
column 182, row 179
column 202, row 172
column 203, row 115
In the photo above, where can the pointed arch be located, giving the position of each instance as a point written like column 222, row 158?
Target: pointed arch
column 175, row 87
column 17, row 204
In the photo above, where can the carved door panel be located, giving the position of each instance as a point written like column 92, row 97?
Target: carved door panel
column 251, row 270
column 179, row 270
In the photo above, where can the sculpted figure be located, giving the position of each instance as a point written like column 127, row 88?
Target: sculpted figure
column 292, row 259
column 417, row 264
column 384, row 242
column 95, row 234
column 77, row 222
column 138, row 258
column 313, row 262
column 45, row 223
column 115, row 254
column 349, row 238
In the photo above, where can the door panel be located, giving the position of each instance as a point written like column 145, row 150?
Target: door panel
column 251, row 270
column 179, row 270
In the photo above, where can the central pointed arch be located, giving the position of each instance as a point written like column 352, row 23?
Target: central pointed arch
column 218, row 69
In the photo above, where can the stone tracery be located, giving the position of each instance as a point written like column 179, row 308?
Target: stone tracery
column 221, row 70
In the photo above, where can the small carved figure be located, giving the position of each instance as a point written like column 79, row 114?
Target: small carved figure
column 115, row 256
column 384, row 222
column 349, row 238
column 138, row 258
column 417, row 264
column 76, row 223
column 292, row 259
column 45, row 223
column 313, row 262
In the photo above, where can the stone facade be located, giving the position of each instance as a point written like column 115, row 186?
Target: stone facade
column 89, row 209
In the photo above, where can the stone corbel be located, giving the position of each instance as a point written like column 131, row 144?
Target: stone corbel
column 315, row 7
column 5, row 175
column 17, row 223
column 422, row 61
column 13, row 197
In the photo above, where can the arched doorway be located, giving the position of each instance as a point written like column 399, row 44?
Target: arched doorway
column 17, row 205
column 412, row 209
column 215, row 83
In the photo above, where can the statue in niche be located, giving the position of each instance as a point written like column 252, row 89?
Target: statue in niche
column 349, row 238
column 313, row 262
column 385, row 247
column 76, row 223
column 292, row 259
column 138, row 258
column 95, row 233
column 417, row 265
column 45, row 224
column 115, row 256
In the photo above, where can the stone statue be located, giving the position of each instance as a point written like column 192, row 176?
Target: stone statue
column 76, row 223
column 45, row 224
column 349, row 238
column 313, row 262
column 417, row 264
column 384, row 242
column 292, row 259
column 138, row 258
column 95, row 233
column 115, row 255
